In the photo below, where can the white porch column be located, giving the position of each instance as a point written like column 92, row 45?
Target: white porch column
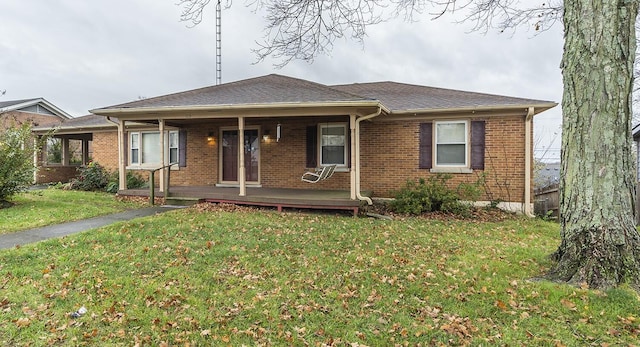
column 65, row 151
column 122, row 165
column 241, row 169
column 162, row 161
column 354, row 153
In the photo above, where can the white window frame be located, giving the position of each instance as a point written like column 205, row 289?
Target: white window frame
column 466, row 144
column 140, row 149
column 343, row 125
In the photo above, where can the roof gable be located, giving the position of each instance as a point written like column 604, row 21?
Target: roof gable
column 37, row 106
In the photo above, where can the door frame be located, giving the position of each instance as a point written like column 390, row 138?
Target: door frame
column 220, row 161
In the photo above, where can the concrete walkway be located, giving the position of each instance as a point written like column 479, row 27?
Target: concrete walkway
column 34, row 235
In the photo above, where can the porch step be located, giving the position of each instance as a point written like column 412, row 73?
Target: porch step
column 181, row 201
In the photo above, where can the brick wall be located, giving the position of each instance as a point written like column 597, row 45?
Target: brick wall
column 8, row 119
column 389, row 156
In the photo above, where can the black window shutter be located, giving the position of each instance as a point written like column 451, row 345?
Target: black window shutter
column 182, row 148
column 426, row 152
column 477, row 144
column 312, row 146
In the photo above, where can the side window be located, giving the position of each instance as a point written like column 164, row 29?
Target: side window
column 451, row 143
column 173, row 147
column 333, row 144
column 135, row 148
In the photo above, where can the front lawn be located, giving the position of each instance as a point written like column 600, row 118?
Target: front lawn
column 235, row 276
column 39, row 208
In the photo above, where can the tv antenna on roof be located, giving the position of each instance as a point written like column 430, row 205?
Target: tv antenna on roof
column 218, row 43
column 192, row 12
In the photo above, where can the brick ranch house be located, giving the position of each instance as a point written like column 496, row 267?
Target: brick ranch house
column 250, row 141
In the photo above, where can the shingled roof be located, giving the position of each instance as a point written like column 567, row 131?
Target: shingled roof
column 282, row 90
column 270, row 89
column 400, row 97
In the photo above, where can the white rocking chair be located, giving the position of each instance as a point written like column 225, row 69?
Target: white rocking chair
column 320, row 174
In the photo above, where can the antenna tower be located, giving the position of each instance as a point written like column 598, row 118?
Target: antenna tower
column 218, row 43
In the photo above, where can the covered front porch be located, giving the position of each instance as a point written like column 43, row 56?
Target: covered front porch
column 271, row 197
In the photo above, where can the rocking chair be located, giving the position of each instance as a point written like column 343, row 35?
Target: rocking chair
column 320, row 174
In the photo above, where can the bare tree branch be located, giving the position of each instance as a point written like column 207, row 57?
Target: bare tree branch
column 304, row 29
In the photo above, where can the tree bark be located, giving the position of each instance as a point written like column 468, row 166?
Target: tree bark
column 600, row 245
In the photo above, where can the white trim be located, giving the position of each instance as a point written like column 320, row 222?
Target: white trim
column 44, row 103
column 140, row 165
column 345, row 126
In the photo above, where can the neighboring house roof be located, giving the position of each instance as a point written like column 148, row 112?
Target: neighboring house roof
column 636, row 132
column 282, row 91
column 547, row 175
column 36, row 105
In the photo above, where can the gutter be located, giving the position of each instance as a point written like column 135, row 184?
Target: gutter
column 357, row 148
column 192, row 108
column 527, row 161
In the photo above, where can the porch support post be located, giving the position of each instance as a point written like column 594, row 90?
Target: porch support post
column 354, row 153
column 241, row 169
column 122, row 166
column 65, row 151
column 85, row 152
column 162, row 161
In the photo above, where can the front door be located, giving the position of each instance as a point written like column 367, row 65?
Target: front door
column 230, row 156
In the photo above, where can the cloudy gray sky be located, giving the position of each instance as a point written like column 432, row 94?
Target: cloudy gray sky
column 81, row 55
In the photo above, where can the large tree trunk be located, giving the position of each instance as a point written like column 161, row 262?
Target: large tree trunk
column 600, row 245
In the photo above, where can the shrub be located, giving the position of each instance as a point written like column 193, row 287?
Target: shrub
column 433, row 194
column 17, row 149
column 134, row 180
column 91, row 177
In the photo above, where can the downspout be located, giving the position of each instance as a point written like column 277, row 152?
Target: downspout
column 357, row 148
column 527, row 162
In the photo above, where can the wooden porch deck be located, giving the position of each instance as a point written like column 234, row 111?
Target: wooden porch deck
column 271, row 197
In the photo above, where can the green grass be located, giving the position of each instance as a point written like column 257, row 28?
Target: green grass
column 265, row 278
column 39, row 208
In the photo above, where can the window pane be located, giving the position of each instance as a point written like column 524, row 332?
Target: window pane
column 150, row 148
column 333, row 155
column 173, row 139
column 451, row 155
column 451, row 133
column 54, row 151
column 173, row 155
column 75, row 152
column 134, row 156
column 135, row 140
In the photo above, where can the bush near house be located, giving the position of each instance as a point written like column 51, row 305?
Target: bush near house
column 17, row 149
column 433, row 194
column 95, row 177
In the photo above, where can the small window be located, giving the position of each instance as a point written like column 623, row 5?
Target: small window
column 451, row 143
column 333, row 144
column 135, row 148
column 173, row 147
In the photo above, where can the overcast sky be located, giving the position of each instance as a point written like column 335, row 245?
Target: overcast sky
column 81, row 55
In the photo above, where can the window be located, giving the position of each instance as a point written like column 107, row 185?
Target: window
column 144, row 147
column 54, row 150
column 333, row 144
column 451, row 143
column 173, row 147
column 458, row 147
column 75, row 152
